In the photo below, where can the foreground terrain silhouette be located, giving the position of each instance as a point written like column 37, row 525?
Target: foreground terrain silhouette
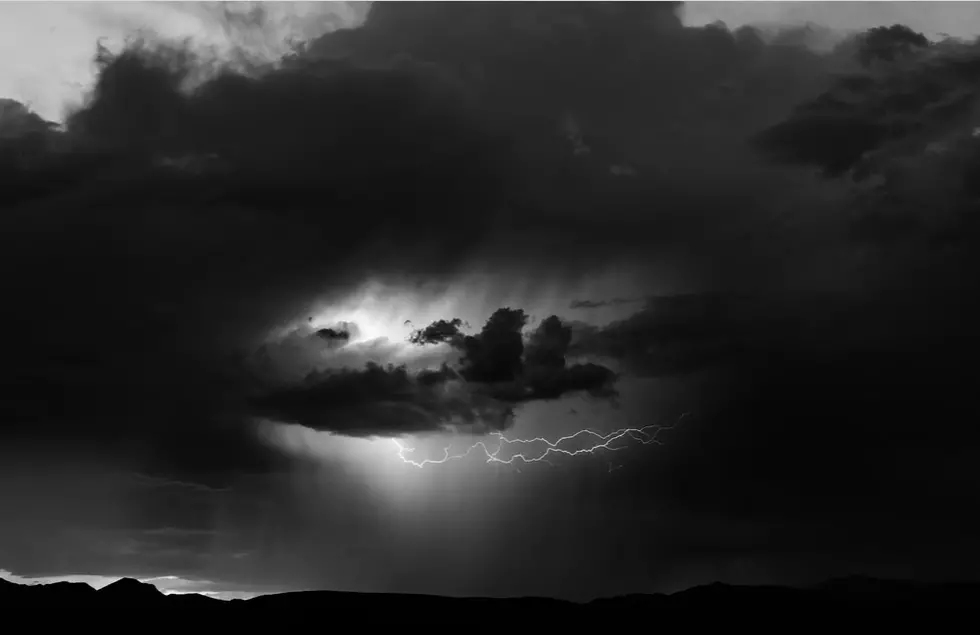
column 882, row 601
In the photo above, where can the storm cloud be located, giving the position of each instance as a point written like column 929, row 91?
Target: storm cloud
column 800, row 222
column 185, row 209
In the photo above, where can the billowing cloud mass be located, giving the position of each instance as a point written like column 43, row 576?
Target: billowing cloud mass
column 797, row 229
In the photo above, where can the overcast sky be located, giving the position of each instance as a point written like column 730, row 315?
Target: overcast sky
column 499, row 299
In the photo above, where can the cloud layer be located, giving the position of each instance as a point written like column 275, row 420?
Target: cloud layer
column 185, row 210
column 821, row 330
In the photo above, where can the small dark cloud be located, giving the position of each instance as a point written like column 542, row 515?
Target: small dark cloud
column 437, row 332
column 336, row 335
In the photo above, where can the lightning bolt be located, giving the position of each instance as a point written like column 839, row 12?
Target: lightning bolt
column 645, row 436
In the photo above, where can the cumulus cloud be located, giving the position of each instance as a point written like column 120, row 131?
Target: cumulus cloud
column 438, row 332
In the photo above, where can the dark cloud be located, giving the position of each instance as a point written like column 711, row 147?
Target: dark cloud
column 335, row 335
column 548, row 344
column 495, row 354
column 385, row 401
column 843, row 400
column 187, row 208
column 889, row 44
column 187, row 211
column 573, row 143
column 676, row 334
column 437, row 332
column 500, row 355
column 216, row 210
column 906, row 93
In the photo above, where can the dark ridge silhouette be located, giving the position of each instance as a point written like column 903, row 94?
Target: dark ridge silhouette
column 884, row 601
column 131, row 591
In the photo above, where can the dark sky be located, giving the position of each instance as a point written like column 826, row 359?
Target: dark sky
column 317, row 324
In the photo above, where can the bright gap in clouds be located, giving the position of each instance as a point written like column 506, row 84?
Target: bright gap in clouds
column 382, row 314
column 380, row 311
column 383, row 310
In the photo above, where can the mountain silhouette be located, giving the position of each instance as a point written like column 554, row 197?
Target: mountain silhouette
column 881, row 601
column 130, row 591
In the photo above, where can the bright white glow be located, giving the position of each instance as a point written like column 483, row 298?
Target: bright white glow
column 304, row 441
column 371, row 461
column 382, row 311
